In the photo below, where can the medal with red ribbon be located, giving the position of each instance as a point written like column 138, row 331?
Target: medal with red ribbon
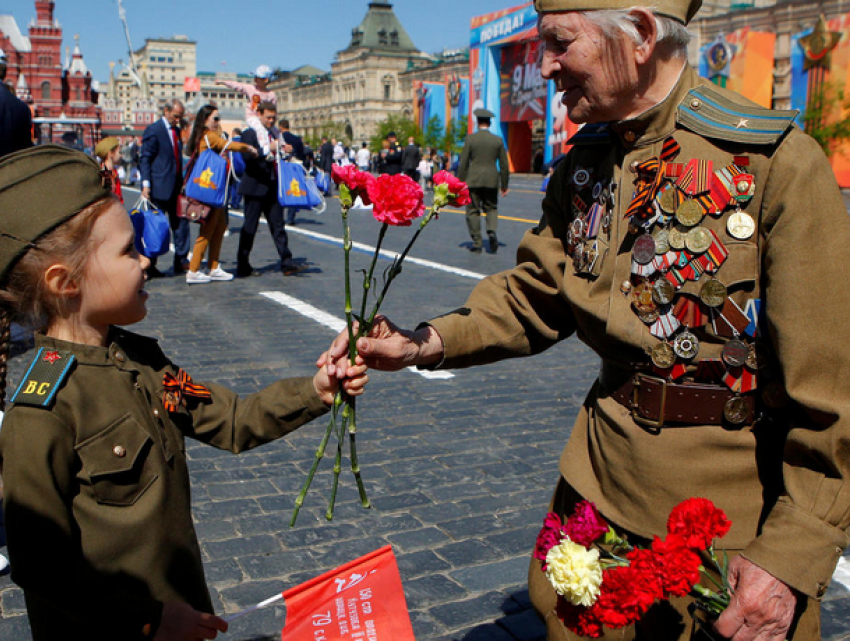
column 175, row 388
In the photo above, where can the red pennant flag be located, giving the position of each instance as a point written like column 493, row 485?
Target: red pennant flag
column 362, row 599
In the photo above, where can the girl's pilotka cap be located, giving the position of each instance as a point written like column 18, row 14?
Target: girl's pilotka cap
column 40, row 188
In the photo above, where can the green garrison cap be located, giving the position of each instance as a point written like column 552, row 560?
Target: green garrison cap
column 681, row 10
column 40, row 188
column 483, row 113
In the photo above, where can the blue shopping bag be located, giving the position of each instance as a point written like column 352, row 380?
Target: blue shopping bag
column 323, row 181
column 294, row 189
column 151, row 227
column 208, row 180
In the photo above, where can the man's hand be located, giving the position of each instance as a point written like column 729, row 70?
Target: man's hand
column 387, row 348
column 181, row 622
column 762, row 606
column 505, row 192
column 146, row 192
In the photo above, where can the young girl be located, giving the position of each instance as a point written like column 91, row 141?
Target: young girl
column 256, row 94
column 108, row 152
column 97, row 501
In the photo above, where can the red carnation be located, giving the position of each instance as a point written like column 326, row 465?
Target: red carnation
column 550, row 536
column 357, row 181
column 585, row 525
column 647, row 568
column 397, row 199
column 458, row 190
column 579, row 619
column 625, row 597
column 678, row 563
column 698, row 522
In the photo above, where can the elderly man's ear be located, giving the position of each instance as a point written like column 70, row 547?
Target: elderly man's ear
column 648, row 30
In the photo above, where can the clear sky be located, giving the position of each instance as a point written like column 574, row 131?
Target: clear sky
column 238, row 35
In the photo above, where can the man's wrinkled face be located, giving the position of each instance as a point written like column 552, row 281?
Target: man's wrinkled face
column 597, row 74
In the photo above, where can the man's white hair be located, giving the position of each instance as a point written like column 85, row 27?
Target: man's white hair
column 673, row 36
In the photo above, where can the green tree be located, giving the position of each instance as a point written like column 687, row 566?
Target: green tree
column 433, row 133
column 454, row 136
column 403, row 127
column 826, row 118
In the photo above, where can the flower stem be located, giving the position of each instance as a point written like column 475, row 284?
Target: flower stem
column 320, row 452
column 395, row 271
column 329, row 514
column 355, row 465
column 367, row 281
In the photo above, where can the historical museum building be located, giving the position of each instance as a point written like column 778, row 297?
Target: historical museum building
column 62, row 96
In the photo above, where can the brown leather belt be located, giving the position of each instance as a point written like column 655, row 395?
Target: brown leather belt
column 656, row 402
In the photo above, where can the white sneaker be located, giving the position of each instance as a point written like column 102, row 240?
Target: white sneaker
column 197, row 277
column 4, row 563
column 219, row 274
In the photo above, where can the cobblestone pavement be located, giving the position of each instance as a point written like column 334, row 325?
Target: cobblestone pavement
column 459, row 470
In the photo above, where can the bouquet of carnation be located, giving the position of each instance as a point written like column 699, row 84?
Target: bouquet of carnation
column 603, row 582
column 396, row 201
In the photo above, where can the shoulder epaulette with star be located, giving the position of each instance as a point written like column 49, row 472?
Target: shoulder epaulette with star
column 711, row 114
column 45, row 376
column 591, row 134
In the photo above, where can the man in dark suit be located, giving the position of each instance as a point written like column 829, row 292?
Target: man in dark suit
column 15, row 117
column 295, row 147
column 161, row 165
column 410, row 157
column 391, row 160
column 326, row 153
column 477, row 168
column 259, row 189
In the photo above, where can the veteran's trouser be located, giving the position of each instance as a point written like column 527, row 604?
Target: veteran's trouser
column 484, row 201
column 665, row 621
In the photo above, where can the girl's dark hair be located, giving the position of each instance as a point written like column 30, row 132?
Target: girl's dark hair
column 24, row 298
column 199, row 128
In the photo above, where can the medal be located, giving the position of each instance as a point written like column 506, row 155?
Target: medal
column 580, row 257
column 643, row 250
column 662, row 241
column 740, row 225
column 663, row 291
column 735, row 353
column 663, row 356
column 736, row 410
column 667, row 200
column 756, row 358
column 676, row 238
column 689, row 213
column 697, row 240
column 713, row 293
column 745, row 187
column 686, row 345
column 642, row 301
column 597, row 191
column 581, row 177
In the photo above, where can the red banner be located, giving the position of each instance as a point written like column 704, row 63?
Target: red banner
column 522, row 89
column 191, row 85
column 362, row 599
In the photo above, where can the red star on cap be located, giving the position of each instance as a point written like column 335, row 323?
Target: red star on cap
column 51, row 357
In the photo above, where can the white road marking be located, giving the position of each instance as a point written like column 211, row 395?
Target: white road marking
column 334, row 323
column 842, row 572
column 335, row 240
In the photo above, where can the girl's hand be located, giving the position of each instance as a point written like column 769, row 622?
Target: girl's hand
column 181, row 622
column 329, row 377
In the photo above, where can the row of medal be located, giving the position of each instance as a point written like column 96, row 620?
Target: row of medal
column 593, row 205
column 673, row 247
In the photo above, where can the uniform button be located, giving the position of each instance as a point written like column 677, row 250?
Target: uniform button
column 633, row 166
column 119, row 357
column 629, row 136
column 695, row 104
column 136, row 386
column 119, row 451
column 821, row 589
column 156, row 413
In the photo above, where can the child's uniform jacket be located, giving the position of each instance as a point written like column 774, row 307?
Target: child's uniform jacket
column 97, row 500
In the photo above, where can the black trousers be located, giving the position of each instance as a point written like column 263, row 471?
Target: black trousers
column 271, row 209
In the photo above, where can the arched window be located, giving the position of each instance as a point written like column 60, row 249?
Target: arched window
column 45, row 90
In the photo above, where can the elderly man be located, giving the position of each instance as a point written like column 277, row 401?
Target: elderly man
column 693, row 240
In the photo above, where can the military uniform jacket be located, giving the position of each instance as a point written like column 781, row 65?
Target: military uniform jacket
column 784, row 483
column 97, row 499
column 477, row 165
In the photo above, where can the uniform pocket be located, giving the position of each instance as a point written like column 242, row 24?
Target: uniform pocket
column 117, row 462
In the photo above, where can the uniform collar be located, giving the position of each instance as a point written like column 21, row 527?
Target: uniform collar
column 119, row 343
column 658, row 122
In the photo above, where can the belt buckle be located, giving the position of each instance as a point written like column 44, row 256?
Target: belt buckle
column 640, row 420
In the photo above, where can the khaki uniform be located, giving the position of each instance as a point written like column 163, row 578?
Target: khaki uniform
column 783, row 481
column 477, row 168
column 97, row 498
